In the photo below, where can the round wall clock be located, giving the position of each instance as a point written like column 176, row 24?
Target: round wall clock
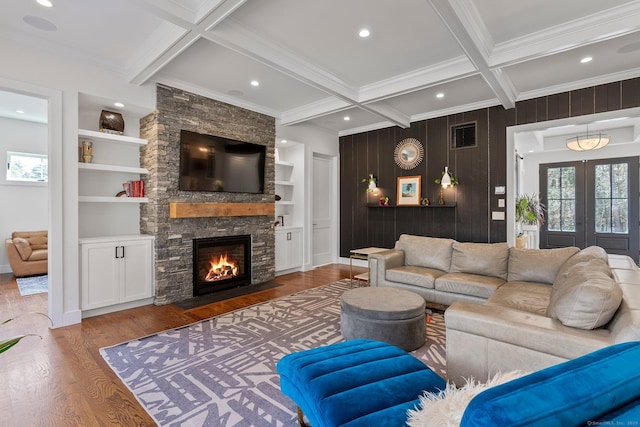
column 408, row 153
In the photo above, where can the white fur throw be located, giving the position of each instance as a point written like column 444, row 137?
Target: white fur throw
column 445, row 409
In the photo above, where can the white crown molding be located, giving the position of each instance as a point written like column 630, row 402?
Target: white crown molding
column 443, row 72
column 368, row 128
column 614, row 22
column 579, row 84
column 455, row 110
column 199, row 90
column 314, row 110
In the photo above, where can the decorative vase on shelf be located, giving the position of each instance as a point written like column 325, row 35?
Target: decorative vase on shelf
column 87, row 158
column 441, row 199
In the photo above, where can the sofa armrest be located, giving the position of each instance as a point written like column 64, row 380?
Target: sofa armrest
column 524, row 329
column 380, row 262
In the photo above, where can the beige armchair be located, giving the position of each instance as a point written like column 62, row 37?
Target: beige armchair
column 27, row 252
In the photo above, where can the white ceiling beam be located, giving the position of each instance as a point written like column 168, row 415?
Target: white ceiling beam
column 615, row 22
column 463, row 21
column 232, row 36
column 166, row 45
column 454, row 69
column 390, row 114
column 314, row 110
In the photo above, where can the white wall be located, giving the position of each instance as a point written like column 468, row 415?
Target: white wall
column 40, row 71
column 316, row 141
column 24, row 205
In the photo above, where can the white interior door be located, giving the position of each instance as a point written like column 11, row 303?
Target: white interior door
column 322, row 212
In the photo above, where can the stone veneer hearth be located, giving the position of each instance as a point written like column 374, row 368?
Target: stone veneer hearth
column 178, row 110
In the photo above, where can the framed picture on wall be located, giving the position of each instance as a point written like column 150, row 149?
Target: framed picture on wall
column 408, row 191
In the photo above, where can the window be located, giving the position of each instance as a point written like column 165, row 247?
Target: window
column 463, row 136
column 561, row 196
column 612, row 198
column 27, row 167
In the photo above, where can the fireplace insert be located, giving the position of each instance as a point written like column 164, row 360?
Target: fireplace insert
column 221, row 263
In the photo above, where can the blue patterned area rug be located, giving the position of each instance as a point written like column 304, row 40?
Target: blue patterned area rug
column 33, row 285
column 221, row 371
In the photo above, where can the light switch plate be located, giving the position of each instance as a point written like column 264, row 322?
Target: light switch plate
column 497, row 216
column 501, row 203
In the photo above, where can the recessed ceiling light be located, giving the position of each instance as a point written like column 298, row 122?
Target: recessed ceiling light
column 19, row 111
column 364, row 33
column 284, row 141
column 347, row 118
column 440, row 95
column 40, row 23
column 45, row 3
column 118, row 104
column 255, row 83
column 586, row 59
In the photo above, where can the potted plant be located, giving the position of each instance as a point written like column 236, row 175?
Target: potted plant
column 529, row 216
column 6, row 344
column 529, row 210
column 371, row 181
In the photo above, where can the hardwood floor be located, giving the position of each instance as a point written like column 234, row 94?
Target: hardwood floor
column 61, row 380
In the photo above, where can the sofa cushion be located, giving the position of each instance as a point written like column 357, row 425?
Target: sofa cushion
column 412, row 275
column 38, row 242
column 537, row 265
column 573, row 393
column 587, row 298
column 592, row 252
column 468, row 284
column 429, row 252
column 486, row 259
column 523, row 296
column 39, row 255
column 23, row 247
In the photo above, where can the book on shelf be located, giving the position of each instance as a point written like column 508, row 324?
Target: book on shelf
column 134, row 188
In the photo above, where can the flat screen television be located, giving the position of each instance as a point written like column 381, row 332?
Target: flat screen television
column 213, row 163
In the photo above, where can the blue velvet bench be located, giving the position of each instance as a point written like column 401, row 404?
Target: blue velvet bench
column 356, row 383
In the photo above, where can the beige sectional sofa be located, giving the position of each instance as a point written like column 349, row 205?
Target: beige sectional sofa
column 514, row 308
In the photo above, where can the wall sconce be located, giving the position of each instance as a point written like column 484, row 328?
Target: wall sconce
column 446, row 178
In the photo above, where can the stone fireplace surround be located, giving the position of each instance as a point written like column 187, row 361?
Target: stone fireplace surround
column 178, row 110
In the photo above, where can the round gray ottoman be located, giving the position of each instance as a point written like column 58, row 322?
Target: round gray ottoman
column 384, row 314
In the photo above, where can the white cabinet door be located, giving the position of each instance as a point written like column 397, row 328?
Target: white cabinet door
column 100, row 275
column 288, row 249
column 295, row 248
column 282, row 251
column 115, row 272
column 136, row 271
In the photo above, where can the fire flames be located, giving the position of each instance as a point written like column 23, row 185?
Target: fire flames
column 221, row 268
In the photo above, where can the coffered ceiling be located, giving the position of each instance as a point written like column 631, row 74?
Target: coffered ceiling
column 313, row 67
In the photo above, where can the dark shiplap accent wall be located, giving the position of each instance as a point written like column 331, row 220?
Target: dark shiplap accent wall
column 479, row 169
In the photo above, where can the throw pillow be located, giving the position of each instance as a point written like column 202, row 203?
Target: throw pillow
column 537, row 265
column 592, row 252
column 587, row 298
column 428, row 252
column 486, row 259
column 446, row 407
column 23, row 247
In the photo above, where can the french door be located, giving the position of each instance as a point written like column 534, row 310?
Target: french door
column 591, row 202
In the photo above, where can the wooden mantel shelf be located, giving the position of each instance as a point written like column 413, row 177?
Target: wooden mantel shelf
column 207, row 210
